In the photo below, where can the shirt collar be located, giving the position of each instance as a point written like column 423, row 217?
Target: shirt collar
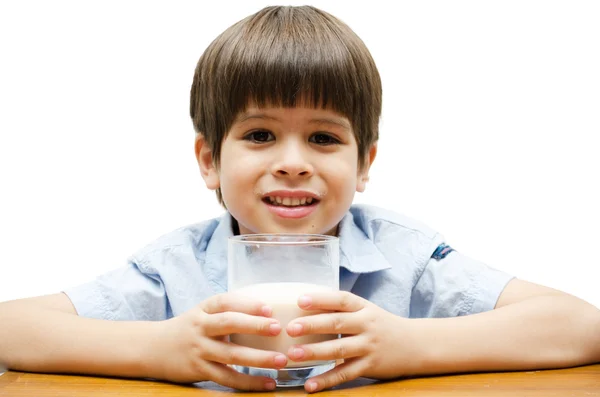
column 358, row 253
column 217, row 246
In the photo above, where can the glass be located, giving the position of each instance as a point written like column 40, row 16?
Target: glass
column 278, row 269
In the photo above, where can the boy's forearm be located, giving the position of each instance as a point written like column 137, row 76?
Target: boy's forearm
column 43, row 340
column 540, row 332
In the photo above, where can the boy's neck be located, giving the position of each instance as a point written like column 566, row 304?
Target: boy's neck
column 235, row 228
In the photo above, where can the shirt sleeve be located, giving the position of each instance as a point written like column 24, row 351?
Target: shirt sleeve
column 126, row 293
column 454, row 285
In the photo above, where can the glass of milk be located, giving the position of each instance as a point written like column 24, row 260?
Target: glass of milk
column 278, row 269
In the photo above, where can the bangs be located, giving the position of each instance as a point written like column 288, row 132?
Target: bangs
column 288, row 65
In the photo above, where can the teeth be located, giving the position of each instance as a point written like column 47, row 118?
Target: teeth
column 290, row 201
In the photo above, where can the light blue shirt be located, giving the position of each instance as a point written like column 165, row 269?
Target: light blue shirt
column 385, row 257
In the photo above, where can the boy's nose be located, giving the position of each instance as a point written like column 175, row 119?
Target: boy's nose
column 292, row 164
column 293, row 172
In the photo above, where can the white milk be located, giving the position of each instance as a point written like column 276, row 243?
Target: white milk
column 283, row 299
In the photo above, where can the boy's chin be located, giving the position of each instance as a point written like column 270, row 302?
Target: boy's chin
column 283, row 226
column 311, row 229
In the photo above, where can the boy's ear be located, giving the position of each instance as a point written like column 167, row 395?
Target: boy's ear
column 208, row 170
column 363, row 173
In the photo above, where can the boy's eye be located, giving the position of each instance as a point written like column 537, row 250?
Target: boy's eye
column 323, row 139
column 259, row 136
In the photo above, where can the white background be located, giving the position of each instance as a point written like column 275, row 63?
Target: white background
column 489, row 131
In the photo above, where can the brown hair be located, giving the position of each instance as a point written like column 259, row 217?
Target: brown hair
column 280, row 56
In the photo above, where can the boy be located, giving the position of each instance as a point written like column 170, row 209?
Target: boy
column 286, row 106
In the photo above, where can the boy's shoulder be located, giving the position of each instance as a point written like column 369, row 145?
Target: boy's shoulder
column 195, row 236
column 374, row 238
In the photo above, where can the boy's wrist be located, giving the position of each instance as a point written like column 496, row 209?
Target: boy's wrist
column 420, row 347
column 148, row 361
column 441, row 345
column 407, row 353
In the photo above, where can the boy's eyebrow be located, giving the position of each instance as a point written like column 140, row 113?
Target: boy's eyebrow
column 341, row 122
column 247, row 116
column 319, row 120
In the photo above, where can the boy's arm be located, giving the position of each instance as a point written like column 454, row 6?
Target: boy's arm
column 532, row 327
column 44, row 334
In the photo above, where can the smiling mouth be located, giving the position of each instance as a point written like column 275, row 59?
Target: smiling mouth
column 290, row 201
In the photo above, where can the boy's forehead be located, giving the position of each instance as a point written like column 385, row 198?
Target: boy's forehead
column 278, row 113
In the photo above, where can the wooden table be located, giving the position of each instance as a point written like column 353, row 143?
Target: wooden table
column 580, row 381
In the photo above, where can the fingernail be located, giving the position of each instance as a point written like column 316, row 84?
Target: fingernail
column 274, row 329
column 311, row 386
column 297, row 353
column 280, row 360
column 296, row 329
column 270, row 385
column 266, row 311
column 304, row 301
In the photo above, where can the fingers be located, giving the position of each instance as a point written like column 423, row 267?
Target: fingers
column 341, row 301
column 231, row 302
column 330, row 350
column 349, row 370
column 326, row 323
column 230, row 353
column 239, row 323
column 229, row 377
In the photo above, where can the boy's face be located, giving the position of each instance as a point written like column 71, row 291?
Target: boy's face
column 286, row 170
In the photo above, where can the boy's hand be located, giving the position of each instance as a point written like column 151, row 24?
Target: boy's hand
column 194, row 347
column 373, row 344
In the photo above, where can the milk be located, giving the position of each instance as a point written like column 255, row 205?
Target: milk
column 283, row 299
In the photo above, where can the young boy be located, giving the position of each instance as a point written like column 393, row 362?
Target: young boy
column 286, row 106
